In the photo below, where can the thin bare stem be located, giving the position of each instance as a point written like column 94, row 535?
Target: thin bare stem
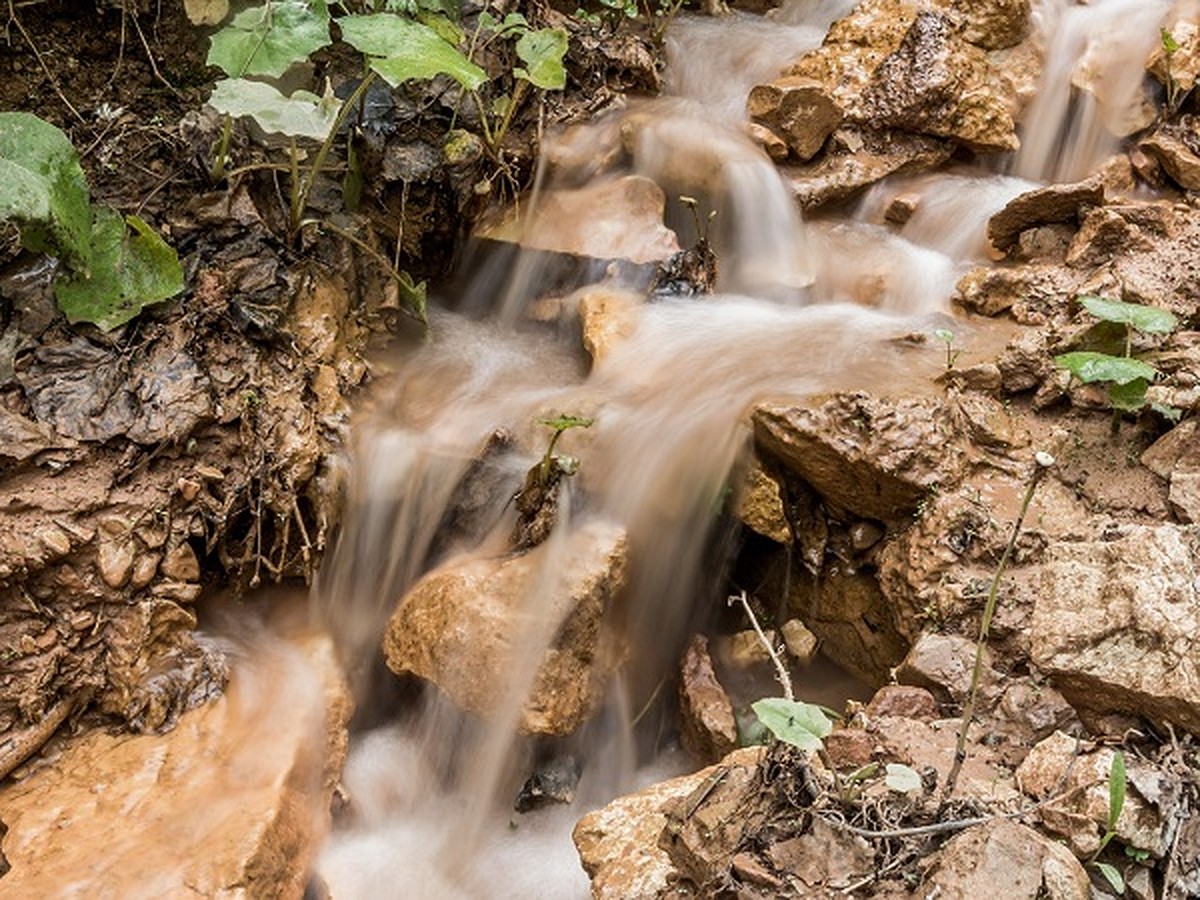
column 326, row 145
column 781, row 672
column 1044, row 461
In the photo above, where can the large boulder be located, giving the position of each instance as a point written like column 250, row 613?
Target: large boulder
column 234, row 802
column 866, row 457
column 1116, row 623
column 620, row 218
column 922, row 68
column 485, row 615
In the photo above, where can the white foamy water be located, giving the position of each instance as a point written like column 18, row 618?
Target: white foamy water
column 802, row 309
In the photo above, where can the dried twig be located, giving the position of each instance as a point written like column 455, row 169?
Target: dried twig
column 781, row 672
column 12, row 18
column 1042, row 463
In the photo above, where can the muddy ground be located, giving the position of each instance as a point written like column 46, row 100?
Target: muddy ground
column 196, row 447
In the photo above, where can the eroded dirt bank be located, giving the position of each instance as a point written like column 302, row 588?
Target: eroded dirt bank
column 864, row 512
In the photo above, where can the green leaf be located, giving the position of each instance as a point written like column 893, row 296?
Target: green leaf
column 1128, row 397
column 268, row 39
column 1148, row 319
column 945, row 335
column 1170, row 45
column 562, row 423
column 128, row 273
column 1112, row 876
column 542, row 51
column 43, row 189
column 300, row 115
column 408, row 49
column 1116, row 789
column 446, row 30
column 902, row 779
column 1089, row 366
column 802, row 725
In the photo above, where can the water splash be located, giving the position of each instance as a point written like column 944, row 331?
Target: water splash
column 1102, row 46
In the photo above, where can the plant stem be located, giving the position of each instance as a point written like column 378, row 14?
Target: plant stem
column 301, row 202
column 518, row 95
column 217, row 172
column 985, row 624
column 781, row 672
column 403, row 280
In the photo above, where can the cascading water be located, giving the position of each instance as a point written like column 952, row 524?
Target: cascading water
column 430, row 793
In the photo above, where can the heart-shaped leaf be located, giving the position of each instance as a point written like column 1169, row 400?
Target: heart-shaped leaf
column 542, row 51
column 1148, row 319
column 268, row 39
column 43, row 189
column 1090, row 367
column 301, row 115
column 405, row 49
column 802, row 725
column 128, row 273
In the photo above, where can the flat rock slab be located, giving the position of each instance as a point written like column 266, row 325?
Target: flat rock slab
column 1056, row 203
column 1117, row 623
column 233, row 802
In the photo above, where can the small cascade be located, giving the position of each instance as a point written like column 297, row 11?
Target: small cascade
column 800, row 309
column 1090, row 94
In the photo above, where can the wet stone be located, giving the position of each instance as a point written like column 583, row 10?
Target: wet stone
column 707, row 726
column 1056, row 203
column 181, row 564
column 115, row 561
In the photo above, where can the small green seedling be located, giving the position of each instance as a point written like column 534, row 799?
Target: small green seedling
column 111, row 266
column 946, row 336
column 550, row 460
column 1175, row 93
column 1127, row 378
column 1116, row 802
column 794, row 722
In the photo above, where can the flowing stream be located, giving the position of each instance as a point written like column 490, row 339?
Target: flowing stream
column 802, row 308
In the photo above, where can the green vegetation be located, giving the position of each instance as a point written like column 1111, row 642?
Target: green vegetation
column 1127, row 378
column 556, row 462
column 946, row 336
column 802, row 725
column 111, row 266
column 1116, row 802
column 1175, row 94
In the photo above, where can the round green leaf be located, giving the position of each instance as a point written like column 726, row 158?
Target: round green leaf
column 542, row 51
column 902, row 779
column 128, row 273
column 1128, row 397
column 1089, row 367
column 406, row 49
column 43, row 189
column 268, row 39
column 1147, row 319
column 802, row 725
column 301, row 115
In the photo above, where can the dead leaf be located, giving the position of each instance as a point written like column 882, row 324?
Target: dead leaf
column 206, row 12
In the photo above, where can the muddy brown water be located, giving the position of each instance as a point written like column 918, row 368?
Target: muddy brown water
column 801, row 309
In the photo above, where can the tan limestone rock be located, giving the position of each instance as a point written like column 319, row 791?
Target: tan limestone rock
column 233, row 802
column 800, row 110
column 1011, row 857
column 707, row 726
column 1133, row 647
column 481, row 615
